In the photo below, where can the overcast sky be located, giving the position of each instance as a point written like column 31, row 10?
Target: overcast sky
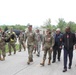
column 36, row 12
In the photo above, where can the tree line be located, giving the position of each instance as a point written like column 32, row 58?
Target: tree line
column 17, row 26
column 60, row 24
column 47, row 24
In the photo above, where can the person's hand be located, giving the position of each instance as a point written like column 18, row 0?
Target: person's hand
column 60, row 39
column 34, row 46
column 3, row 38
column 60, row 47
column 51, row 49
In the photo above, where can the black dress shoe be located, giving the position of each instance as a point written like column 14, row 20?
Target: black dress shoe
column 64, row 70
column 69, row 67
column 38, row 55
column 58, row 59
column 53, row 61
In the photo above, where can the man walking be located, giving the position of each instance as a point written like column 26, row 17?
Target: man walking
column 38, row 42
column 12, row 40
column 68, row 41
column 2, row 46
column 48, row 43
column 31, row 41
column 58, row 45
column 21, row 41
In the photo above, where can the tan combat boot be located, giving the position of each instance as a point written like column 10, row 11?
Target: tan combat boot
column 19, row 51
column 0, row 58
column 3, row 59
column 49, row 62
column 28, row 61
column 14, row 52
column 9, row 54
column 31, row 60
column 42, row 63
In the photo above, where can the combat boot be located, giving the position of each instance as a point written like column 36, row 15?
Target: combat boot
column 9, row 54
column 3, row 59
column 19, row 51
column 28, row 61
column 49, row 62
column 31, row 60
column 14, row 52
column 24, row 49
column 0, row 58
column 42, row 63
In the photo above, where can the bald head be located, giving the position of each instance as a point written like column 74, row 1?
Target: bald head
column 67, row 29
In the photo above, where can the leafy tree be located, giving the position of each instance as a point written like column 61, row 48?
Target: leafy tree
column 6, row 28
column 47, row 24
column 72, row 25
column 61, row 24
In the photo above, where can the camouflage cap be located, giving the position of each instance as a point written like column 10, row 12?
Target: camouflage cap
column 49, row 30
column 37, row 28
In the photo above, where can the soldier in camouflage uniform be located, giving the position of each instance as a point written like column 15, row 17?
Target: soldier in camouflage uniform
column 12, row 41
column 2, row 46
column 21, row 41
column 48, row 43
column 30, row 36
column 38, row 41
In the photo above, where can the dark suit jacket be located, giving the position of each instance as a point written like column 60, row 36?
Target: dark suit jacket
column 59, row 43
column 72, row 40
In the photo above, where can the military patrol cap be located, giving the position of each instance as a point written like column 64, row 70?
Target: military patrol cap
column 37, row 28
column 49, row 30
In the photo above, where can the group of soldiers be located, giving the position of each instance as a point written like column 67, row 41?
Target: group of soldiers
column 50, row 42
column 5, row 38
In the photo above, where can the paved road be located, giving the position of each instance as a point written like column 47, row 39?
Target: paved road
column 17, row 65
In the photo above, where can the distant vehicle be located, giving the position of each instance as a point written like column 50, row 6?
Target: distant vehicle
column 14, row 30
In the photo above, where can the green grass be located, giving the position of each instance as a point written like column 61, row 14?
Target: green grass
column 17, row 48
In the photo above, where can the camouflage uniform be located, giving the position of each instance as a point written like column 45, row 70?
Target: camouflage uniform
column 48, row 43
column 43, row 35
column 30, row 36
column 38, row 43
column 21, row 41
column 2, row 46
column 12, row 41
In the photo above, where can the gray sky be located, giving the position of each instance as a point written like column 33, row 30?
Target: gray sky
column 36, row 12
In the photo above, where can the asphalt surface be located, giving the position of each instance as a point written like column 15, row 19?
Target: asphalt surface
column 17, row 65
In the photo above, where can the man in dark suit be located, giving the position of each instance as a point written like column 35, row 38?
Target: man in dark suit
column 68, row 41
column 57, row 46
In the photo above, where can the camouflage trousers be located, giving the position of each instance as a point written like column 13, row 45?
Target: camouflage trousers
column 47, row 50
column 2, row 51
column 30, row 52
column 38, row 48
column 13, row 46
column 21, row 44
